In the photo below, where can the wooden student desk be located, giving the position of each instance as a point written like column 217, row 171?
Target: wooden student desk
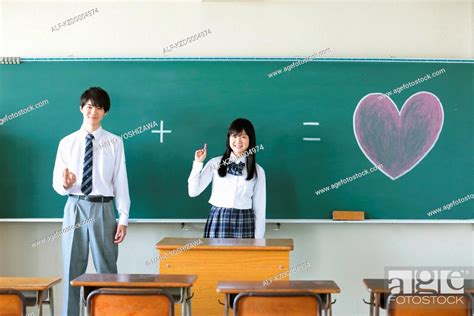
column 42, row 286
column 322, row 288
column 379, row 293
column 215, row 259
column 184, row 283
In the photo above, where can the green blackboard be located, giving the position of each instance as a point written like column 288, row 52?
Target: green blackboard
column 196, row 101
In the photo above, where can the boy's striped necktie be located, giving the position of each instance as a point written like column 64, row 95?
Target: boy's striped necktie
column 86, row 186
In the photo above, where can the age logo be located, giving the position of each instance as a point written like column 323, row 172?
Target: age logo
column 427, row 280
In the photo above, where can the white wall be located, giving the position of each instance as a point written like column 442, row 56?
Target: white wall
column 346, row 253
column 285, row 28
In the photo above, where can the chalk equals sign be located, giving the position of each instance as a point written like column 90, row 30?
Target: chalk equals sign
column 311, row 139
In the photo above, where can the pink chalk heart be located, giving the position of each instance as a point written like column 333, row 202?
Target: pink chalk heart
column 397, row 140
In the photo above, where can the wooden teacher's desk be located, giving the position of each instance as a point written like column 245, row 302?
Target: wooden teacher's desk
column 218, row 259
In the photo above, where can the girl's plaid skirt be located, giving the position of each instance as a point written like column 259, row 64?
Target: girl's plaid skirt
column 230, row 223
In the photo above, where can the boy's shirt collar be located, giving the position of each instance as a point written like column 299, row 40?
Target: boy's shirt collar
column 97, row 133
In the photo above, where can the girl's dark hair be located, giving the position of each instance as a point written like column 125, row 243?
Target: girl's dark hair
column 236, row 127
column 98, row 97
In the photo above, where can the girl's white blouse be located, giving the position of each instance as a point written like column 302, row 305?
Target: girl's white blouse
column 231, row 191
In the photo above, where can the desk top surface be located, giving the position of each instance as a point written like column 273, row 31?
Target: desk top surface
column 321, row 287
column 381, row 285
column 225, row 243
column 135, row 280
column 28, row 284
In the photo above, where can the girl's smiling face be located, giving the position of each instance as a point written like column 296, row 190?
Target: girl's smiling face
column 239, row 143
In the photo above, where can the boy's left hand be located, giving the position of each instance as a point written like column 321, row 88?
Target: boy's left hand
column 120, row 234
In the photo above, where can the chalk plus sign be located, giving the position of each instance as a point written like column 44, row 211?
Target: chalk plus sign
column 161, row 131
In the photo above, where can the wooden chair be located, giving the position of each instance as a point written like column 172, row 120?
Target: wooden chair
column 128, row 302
column 429, row 305
column 277, row 304
column 12, row 303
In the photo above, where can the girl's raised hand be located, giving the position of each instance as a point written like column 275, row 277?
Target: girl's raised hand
column 200, row 154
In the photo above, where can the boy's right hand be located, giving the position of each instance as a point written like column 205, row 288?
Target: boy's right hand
column 200, row 154
column 69, row 178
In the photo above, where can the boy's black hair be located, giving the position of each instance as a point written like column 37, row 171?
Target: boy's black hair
column 236, row 127
column 98, row 96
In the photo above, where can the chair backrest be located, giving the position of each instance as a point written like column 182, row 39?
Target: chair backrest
column 277, row 304
column 126, row 302
column 12, row 303
column 429, row 304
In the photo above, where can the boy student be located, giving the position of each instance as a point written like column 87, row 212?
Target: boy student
column 92, row 179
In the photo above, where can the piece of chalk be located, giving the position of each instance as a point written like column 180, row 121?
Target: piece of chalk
column 205, row 146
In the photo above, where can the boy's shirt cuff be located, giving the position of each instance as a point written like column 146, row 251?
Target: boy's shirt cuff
column 123, row 220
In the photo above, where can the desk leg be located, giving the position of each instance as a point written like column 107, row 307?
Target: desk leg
column 372, row 302
column 81, row 303
column 330, row 304
column 184, row 297
column 226, row 305
column 326, row 301
column 40, row 302
column 377, row 304
column 51, row 301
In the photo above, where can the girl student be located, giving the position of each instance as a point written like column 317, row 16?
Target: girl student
column 238, row 195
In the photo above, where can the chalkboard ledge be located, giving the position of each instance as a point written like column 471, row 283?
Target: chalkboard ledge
column 269, row 221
